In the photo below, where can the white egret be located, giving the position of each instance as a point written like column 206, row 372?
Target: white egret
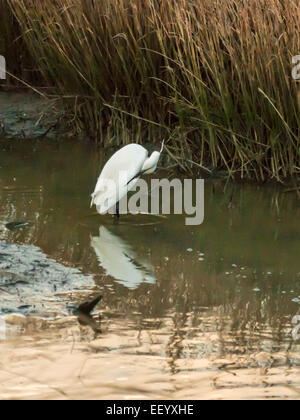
column 120, row 175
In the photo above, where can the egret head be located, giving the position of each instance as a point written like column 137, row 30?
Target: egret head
column 150, row 164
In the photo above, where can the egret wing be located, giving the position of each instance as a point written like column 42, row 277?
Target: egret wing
column 118, row 176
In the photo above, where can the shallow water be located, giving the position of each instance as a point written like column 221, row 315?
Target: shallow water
column 199, row 312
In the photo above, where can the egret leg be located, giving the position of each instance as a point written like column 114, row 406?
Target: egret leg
column 117, row 215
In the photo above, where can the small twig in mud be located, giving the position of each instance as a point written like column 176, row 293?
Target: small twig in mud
column 73, row 343
column 82, row 367
column 48, row 130
column 66, row 276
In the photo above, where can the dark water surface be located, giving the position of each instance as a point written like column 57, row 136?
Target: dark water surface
column 228, row 289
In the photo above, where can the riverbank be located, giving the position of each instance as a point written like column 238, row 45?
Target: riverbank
column 27, row 115
column 33, row 284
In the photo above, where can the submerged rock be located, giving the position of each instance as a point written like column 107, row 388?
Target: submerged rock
column 16, row 225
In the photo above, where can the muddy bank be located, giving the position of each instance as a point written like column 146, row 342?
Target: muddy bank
column 32, row 283
column 28, row 115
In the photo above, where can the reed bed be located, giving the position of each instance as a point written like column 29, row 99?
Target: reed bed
column 214, row 77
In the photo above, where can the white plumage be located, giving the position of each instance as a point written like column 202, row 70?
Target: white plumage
column 120, row 174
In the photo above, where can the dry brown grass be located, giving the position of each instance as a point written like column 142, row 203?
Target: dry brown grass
column 214, row 76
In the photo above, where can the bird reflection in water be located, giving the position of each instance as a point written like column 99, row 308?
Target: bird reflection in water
column 84, row 314
column 120, row 261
